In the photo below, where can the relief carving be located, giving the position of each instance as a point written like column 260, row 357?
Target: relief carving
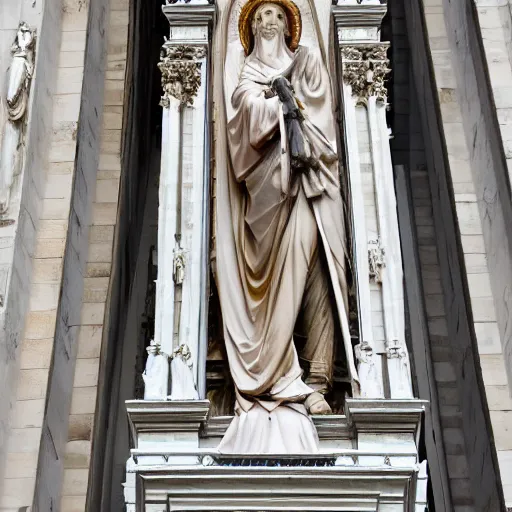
column 365, row 68
column 181, row 72
column 376, row 260
column 18, row 89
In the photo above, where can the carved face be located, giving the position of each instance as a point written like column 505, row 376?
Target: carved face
column 25, row 37
column 269, row 21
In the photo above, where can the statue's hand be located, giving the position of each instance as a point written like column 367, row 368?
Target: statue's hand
column 284, row 90
column 298, row 145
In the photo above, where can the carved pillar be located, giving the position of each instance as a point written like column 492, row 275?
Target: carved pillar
column 181, row 288
column 379, row 273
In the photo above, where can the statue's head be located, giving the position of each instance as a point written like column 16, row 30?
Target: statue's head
column 25, row 38
column 269, row 20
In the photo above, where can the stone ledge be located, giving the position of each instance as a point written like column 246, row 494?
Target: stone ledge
column 278, row 488
column 352, row 14
column 385, row 416
column 166, row 416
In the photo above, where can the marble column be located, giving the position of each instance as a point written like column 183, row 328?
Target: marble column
column 378, row 260
column 183, row 214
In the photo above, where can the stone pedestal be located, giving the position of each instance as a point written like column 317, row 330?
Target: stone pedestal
column 368, row 462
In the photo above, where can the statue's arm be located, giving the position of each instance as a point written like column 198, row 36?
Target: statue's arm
column 17, row 81
column 263, row 119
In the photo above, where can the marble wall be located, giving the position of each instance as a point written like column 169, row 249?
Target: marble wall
column 469, row 185
column 18, row 249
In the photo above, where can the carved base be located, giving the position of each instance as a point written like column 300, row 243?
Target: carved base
column 367, row 461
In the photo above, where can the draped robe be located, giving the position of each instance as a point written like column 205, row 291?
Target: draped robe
column 270, row 223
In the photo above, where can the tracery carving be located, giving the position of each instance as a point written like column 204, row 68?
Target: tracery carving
column 376, row 260
column 181, row 72
column 365, row 69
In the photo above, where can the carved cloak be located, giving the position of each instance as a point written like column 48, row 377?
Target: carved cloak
column 267, row 233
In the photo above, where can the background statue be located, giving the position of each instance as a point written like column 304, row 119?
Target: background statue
column 280, row 235
column 18, row 88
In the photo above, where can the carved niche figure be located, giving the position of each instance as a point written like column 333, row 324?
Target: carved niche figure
column 18, row 88
column 280, row 234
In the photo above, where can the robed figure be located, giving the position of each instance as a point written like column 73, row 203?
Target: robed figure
column 281, row 240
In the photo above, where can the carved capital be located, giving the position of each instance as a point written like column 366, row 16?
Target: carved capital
column 181, row 72
column 376, row 260
column 365, row 68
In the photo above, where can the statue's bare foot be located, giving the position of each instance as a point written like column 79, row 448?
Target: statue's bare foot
column 316, row 404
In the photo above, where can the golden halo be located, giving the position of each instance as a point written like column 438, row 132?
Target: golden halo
column 245, row 23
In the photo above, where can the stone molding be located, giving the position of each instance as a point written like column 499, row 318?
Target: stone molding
column 195, row 13
column 365, row 69
column 166, row 416
column 180, row 66
column 385, row 415
column 359, row 13
column 243, row 488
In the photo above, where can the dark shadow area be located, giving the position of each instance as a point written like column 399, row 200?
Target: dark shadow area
column 129, row 324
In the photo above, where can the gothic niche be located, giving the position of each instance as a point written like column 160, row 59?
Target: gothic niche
column 281, row 243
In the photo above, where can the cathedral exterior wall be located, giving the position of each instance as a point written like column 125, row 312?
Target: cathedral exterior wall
column 482, row 198
column 98, row 266
column 27, row 337
column 44, row 461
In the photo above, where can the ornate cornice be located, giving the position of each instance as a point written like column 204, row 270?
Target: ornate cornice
column 365, row 68
column 181, row 72
column 358, row 13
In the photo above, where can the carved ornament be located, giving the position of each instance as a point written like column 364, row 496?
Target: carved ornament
column 365, row 68
column 193, row 2
column 364, row 353
column 181, row 72
column 179, row 266
column 155, row 349
column 395, row 351
column 376, row 260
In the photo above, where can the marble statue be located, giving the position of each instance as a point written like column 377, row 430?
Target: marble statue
column 182, row 385
column 281, row 240
column 18, row 88
column 156, row 373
